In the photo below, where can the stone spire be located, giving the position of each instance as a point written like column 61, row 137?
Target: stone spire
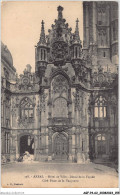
column 42, row 35
column 60, row 9
column 77, row 37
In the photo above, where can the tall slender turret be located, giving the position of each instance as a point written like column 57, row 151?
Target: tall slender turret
column 76, row 49
column 76, row 34
column 41, row 53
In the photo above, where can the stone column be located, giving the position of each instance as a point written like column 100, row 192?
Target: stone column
column 70, row 147
column 87, row 156
column 78, row 140
column 94, row 21
column 13, row 148
column 73, row 146
column 47, row 145
column 3, row 146
column 73, row 105
column 35, row 147
column 40, row 146
column 79, row 152
column 37, row 112
column 76, row 146
column 49, row 105
column 17, row 152
column 77, row 117
column 47, row 141
column 96, row 148
column 50, row 154
column 107, row 144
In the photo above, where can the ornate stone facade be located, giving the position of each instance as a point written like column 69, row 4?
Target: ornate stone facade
column 67, row 109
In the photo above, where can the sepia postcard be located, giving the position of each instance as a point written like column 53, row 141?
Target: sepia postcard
column 59, row 94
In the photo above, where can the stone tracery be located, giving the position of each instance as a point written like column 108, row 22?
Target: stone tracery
column 60, row 85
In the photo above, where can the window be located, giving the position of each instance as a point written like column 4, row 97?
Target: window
column 75, row 52
column 44, row 55
column 100, row 137
column 7, row 148
column 41, row 54
column 100, row 107
column 26, row 108
column 82, row 145
column 7, row 112
column 104, row 54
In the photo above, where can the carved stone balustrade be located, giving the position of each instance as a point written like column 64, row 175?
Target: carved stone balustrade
column 60, row 123
column 26, row 121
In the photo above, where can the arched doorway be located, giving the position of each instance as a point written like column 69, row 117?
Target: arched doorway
column 61, row 147
column 100, row 145
column 26, row 144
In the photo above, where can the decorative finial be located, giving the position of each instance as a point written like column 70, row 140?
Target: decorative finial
column 42, row 24
column 77, row 22
column 42, row 35
column 77, row 29
column 77, row 37
column 60, row 9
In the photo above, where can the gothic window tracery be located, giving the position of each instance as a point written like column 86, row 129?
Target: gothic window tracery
column 59, row 92
column 59, row 85
column 100, row 107
column 42, row 54
column 26, row 108
column 78, row 100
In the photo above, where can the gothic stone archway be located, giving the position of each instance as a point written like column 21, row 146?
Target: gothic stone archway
column 26, row 144
column 60, row 149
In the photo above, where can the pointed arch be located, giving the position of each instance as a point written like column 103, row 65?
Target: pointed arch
column 59, row 72
column 60, row 146
column 100, row 104
column 26, row 108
